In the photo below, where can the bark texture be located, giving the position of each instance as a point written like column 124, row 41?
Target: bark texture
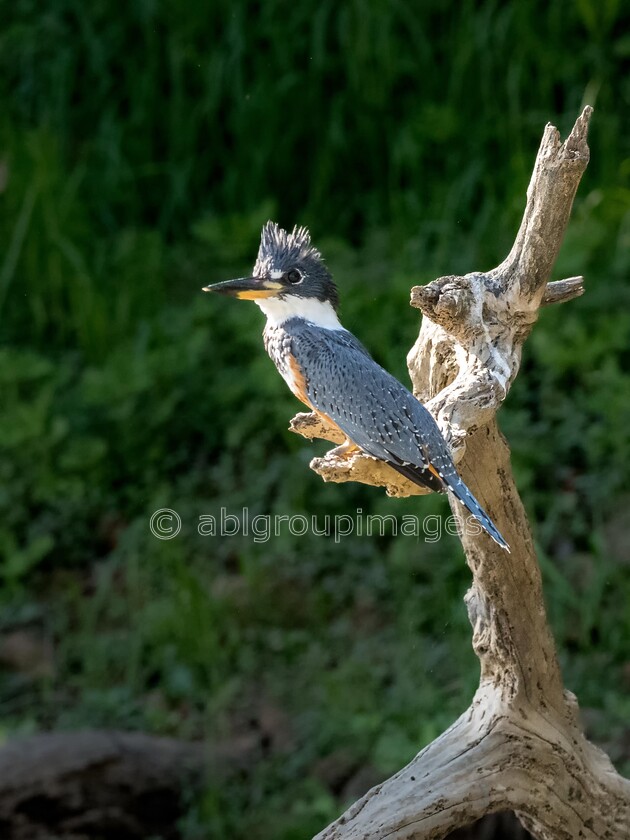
column 519, row 746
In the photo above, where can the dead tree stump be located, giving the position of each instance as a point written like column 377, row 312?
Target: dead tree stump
column 519, row 746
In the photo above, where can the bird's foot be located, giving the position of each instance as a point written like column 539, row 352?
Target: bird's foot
column 346, row 450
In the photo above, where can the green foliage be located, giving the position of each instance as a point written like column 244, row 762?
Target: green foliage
column 142, row 148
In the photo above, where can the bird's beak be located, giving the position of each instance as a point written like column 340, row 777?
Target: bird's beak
column 247, row 288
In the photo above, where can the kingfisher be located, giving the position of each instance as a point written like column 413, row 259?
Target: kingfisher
column 332, row 373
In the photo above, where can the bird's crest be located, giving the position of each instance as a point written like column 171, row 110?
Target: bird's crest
column 280, row 249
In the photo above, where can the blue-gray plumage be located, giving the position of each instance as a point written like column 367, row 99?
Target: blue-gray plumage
column 330, row 371
column 367, row 403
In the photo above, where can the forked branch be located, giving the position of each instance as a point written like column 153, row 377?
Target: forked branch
column 519, row 746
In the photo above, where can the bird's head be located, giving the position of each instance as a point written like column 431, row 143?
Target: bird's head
column 288, row 270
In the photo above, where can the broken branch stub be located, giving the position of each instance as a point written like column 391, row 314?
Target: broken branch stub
column 355, row 466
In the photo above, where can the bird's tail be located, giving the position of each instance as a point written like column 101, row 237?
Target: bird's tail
column 461, row 492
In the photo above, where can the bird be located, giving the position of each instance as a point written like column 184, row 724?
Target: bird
column 332, row 373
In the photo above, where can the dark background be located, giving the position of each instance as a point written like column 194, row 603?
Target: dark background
column 143, row 145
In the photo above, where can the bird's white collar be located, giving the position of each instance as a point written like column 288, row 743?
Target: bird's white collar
column 318, row 312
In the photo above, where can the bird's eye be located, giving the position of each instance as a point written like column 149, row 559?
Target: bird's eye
column 294, row 277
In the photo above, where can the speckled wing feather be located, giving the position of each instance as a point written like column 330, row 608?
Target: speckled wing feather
column 374, row 410
column 368, row 404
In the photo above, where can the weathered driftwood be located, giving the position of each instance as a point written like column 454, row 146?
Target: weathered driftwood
column 520, row 745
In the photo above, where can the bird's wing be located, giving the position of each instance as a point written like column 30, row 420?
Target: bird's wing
column 370, row 406
column 375, row 411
